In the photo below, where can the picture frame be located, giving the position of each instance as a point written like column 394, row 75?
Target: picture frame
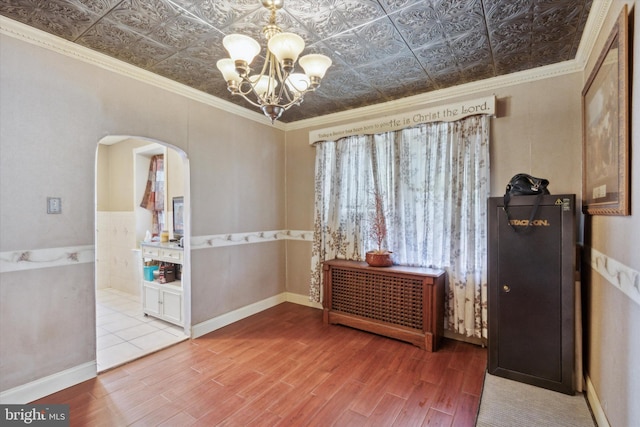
column 605, row 120
column 178, row 217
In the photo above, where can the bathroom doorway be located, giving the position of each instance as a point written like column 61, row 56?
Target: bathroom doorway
column 123, row 331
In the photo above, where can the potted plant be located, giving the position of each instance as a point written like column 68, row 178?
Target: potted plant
column 378, row 231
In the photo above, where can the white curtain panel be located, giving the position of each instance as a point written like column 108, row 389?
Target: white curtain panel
column 434, row 180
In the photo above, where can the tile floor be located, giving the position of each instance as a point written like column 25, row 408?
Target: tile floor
column 124, row 333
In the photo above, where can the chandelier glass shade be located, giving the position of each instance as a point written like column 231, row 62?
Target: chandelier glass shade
column 277, row 87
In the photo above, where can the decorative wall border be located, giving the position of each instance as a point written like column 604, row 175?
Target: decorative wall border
column 619, row 275
column 43, row 258
column 57, row 257
column 220, row 240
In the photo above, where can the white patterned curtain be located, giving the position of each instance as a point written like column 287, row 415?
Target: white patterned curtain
column 434, row 179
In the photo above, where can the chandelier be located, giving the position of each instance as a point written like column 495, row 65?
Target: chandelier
column 277, row 87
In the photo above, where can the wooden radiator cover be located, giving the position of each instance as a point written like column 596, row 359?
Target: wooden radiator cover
column 404, row 303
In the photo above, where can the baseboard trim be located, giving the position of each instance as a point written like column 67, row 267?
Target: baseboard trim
column 594, row 402
column 226, row 319
column 45, row 386
column 53, row 383
column 460, row 337
column 302, row 300
column 42, row 387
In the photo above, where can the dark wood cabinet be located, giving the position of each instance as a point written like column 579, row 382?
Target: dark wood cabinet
column 531, row 291
column 405, row 303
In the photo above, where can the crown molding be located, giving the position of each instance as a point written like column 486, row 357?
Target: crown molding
column 595, row 21
column 40, row 38
column 472, row 88
column 597, row 16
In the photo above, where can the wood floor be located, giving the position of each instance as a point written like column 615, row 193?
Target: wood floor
column 284, row 367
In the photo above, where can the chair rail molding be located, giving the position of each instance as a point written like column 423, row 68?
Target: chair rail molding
column 232, row 239
column 42, row 258
column 617, row 274
column 31, row 259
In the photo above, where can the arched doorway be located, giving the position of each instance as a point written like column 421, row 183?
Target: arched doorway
column 123, row 331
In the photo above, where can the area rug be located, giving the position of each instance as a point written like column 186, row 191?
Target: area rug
column 507, row 403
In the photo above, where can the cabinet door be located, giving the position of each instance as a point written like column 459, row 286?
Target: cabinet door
column 531, row 300
column 172, row 306
column 529, row 296
column 151, row 299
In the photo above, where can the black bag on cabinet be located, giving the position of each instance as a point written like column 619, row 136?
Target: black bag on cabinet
column 523, row 184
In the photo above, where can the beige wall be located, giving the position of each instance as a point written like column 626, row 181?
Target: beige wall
column 54, row 111
column 102, row 177
column 114, row 175
column 47, row 322
column 175, row 176
column 120, row 180
column 612, row 317
column 537, row 131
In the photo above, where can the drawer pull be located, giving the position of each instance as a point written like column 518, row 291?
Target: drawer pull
column 506, row 288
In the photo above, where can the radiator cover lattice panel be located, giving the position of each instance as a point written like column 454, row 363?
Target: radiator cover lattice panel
column 391, row 299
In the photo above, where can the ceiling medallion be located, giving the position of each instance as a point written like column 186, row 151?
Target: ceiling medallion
column 277, row 87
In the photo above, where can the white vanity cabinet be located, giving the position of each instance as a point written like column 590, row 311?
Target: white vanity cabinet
column 163, row 300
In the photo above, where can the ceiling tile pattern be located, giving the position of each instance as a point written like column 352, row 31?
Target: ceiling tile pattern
column 381, row 49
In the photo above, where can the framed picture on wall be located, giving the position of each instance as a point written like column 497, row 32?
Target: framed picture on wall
column 605, row 121
column 178, row 217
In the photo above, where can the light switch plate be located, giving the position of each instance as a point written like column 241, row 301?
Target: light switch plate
column 54, row 205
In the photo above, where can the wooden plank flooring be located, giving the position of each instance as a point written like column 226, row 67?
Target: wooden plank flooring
column 284, row 367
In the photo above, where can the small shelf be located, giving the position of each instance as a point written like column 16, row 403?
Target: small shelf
column 175, row 283
column 163, row 300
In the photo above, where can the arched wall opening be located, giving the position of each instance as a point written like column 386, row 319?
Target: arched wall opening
column 124, row 331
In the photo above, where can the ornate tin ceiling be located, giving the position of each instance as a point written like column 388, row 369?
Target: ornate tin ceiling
column 381, row 49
